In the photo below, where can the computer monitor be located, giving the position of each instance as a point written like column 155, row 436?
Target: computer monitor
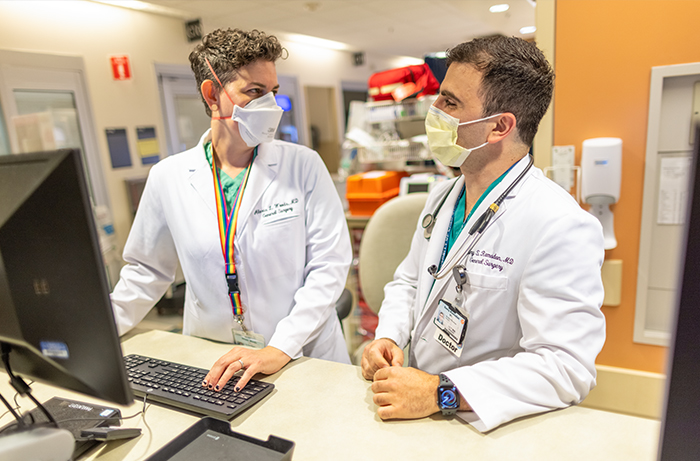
column 55, row 311
column 680, row 432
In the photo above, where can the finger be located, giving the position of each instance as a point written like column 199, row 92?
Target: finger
column 382, row 374
column 386, row 412
column 380, row 386
column 397, row 359
column 382, row 399
column 227, row 375
column 249, row 373
column 367, row 369
column 219, row 367
column 212, row 377
column 376, row 358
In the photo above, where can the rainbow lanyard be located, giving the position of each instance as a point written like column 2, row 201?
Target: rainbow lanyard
column 227, row 233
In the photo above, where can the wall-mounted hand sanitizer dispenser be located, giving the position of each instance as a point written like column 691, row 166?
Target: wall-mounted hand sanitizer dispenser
column 601, row 172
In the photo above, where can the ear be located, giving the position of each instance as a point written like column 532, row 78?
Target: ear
column 210, row 95
column 505, row 125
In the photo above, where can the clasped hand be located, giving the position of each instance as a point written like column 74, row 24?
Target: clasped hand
column 400, row 393
column 267, row 360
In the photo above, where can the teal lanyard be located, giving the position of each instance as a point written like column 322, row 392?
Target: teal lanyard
column 457, row 225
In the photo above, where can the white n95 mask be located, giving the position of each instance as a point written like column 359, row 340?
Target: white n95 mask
column 441, row 129
column 258, row 120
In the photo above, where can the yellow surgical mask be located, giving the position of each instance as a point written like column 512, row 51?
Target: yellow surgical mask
column 441, row 129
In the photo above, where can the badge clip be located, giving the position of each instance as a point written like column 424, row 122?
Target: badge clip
column 232, row 281
column 460, row 274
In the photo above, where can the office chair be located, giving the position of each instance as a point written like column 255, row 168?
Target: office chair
column 385, row 243
column 344, row 305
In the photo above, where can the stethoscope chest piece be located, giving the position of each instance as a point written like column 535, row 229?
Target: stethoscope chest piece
column 428, row 223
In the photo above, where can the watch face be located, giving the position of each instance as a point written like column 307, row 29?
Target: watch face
column 448, row 398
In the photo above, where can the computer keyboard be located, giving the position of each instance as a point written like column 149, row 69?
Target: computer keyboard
column 180, row 386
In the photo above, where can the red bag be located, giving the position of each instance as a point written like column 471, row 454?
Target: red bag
column 402, row 83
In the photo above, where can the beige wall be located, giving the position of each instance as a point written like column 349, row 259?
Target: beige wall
column 94, row 31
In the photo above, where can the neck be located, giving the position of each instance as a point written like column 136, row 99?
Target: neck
column 230, row 151
column 481, row 170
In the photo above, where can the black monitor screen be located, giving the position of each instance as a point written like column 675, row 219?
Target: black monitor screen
column 680, row 435
column 55, row 311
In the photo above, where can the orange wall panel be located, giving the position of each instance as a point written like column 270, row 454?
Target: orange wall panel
column 604, row 52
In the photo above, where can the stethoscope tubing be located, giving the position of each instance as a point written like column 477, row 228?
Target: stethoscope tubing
column 478, row 228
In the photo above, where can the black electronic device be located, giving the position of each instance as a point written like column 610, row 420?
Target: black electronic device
column 76, row 417
column 681, row 425
column 109, row 433
column 56, row 320
column 211, row 438
column 180, row 386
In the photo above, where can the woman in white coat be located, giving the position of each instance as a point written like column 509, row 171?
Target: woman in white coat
column 255, row 223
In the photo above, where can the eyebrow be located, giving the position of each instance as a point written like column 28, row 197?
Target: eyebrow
column 261, row 85
column 450, row 95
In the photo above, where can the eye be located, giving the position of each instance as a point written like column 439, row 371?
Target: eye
column 446, row 102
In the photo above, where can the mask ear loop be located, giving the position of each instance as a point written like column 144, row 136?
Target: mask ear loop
column 222, row 87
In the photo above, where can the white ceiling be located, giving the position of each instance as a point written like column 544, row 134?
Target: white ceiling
column 395, row 27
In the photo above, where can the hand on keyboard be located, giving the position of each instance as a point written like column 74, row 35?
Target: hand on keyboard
column 267, row 360
column 180, row 386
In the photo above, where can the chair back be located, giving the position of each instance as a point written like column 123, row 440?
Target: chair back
column 385, row 243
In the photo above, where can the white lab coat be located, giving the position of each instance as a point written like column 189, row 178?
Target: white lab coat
column 533, row 298
column 292, row 251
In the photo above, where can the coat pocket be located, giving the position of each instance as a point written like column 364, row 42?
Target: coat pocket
column 487, row 282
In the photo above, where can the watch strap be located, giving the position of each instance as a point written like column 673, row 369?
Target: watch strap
column 447, row 382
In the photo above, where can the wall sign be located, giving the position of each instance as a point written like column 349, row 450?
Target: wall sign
column 147, row 144
column 193, row 30
column 121, row 69
column 118, row 147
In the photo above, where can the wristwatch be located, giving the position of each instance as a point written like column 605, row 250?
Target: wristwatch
column 447, row 396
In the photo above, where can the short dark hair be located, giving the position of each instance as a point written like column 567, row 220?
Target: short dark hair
column 515, row 78
column 229, row 50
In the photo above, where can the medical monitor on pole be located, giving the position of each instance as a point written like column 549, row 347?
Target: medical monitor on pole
column 56, row 320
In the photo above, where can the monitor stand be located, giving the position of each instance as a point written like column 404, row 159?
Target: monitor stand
column 41, row 443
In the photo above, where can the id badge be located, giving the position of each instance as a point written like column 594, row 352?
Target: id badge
column 451, row 327
column 248, row 339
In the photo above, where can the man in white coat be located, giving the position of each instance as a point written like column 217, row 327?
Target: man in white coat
column 512, row 267
column 256, row 224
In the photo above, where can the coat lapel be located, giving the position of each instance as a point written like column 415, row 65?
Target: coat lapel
column 262, row 174
column 431, row 291
column 437, row 242
column 200, row 175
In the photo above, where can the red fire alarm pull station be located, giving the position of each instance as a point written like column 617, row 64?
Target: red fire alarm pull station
column 121, row 69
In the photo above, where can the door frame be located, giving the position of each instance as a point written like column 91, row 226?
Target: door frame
column 38, row 71
column 167, row 102
column 658, row 74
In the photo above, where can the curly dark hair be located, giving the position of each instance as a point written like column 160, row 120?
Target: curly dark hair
column 229, row 50
column 515, row 78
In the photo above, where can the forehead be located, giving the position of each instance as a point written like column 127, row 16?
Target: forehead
column 462, row 80
column 261, row 72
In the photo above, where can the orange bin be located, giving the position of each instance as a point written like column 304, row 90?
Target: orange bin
column 367, row 191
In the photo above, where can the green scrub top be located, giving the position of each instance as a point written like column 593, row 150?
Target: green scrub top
column 229, row 184
column 458, row 220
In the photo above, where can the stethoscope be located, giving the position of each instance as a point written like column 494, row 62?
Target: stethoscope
column 478, row 228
